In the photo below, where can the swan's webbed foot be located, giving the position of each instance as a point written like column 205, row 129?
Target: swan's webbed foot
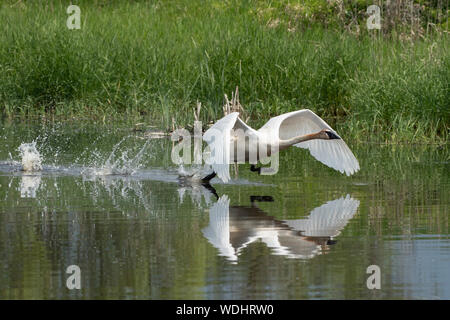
column 253, row 168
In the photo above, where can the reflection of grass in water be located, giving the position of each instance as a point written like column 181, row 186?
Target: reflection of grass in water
column 155, row 60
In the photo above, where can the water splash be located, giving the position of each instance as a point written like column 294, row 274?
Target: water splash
column 119, row 162
column 30, row 157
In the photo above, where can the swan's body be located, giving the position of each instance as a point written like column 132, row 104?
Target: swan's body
column 234, row 141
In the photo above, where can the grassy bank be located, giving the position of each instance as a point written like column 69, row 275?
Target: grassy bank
column 153, row 60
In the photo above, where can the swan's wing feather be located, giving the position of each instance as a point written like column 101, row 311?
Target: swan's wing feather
column 218, row 230
column 242, row 125
column 218, row 138
column 333, row 153
column 297, row 123
column 328, row 219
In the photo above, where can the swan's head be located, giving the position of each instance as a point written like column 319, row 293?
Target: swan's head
column 328, row 135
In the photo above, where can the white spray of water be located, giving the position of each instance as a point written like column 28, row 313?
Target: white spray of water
column 119, row 162
column 31, row 158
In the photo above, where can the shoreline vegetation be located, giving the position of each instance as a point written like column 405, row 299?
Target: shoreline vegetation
column 153, row 61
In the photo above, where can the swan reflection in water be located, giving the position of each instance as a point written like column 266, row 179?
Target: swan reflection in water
column 231, row 229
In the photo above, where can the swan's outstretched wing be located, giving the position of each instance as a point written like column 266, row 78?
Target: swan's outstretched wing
column 218, row 230
column 218, row 138
column 328, row 219
column 334, row 153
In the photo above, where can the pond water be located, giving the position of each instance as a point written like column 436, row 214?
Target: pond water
column 108, row 200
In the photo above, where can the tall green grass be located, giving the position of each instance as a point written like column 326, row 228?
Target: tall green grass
column 153, row 60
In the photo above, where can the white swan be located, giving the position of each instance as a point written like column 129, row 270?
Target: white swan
column 231, row 140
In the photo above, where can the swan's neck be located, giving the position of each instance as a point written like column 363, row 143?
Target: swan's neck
column 289, row 142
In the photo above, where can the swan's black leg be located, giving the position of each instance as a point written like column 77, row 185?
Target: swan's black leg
column 253, row 168
column 208, row 178
column 211, row 189
column 207, row 185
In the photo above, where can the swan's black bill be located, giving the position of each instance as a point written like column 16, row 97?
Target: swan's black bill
column 332, row 135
